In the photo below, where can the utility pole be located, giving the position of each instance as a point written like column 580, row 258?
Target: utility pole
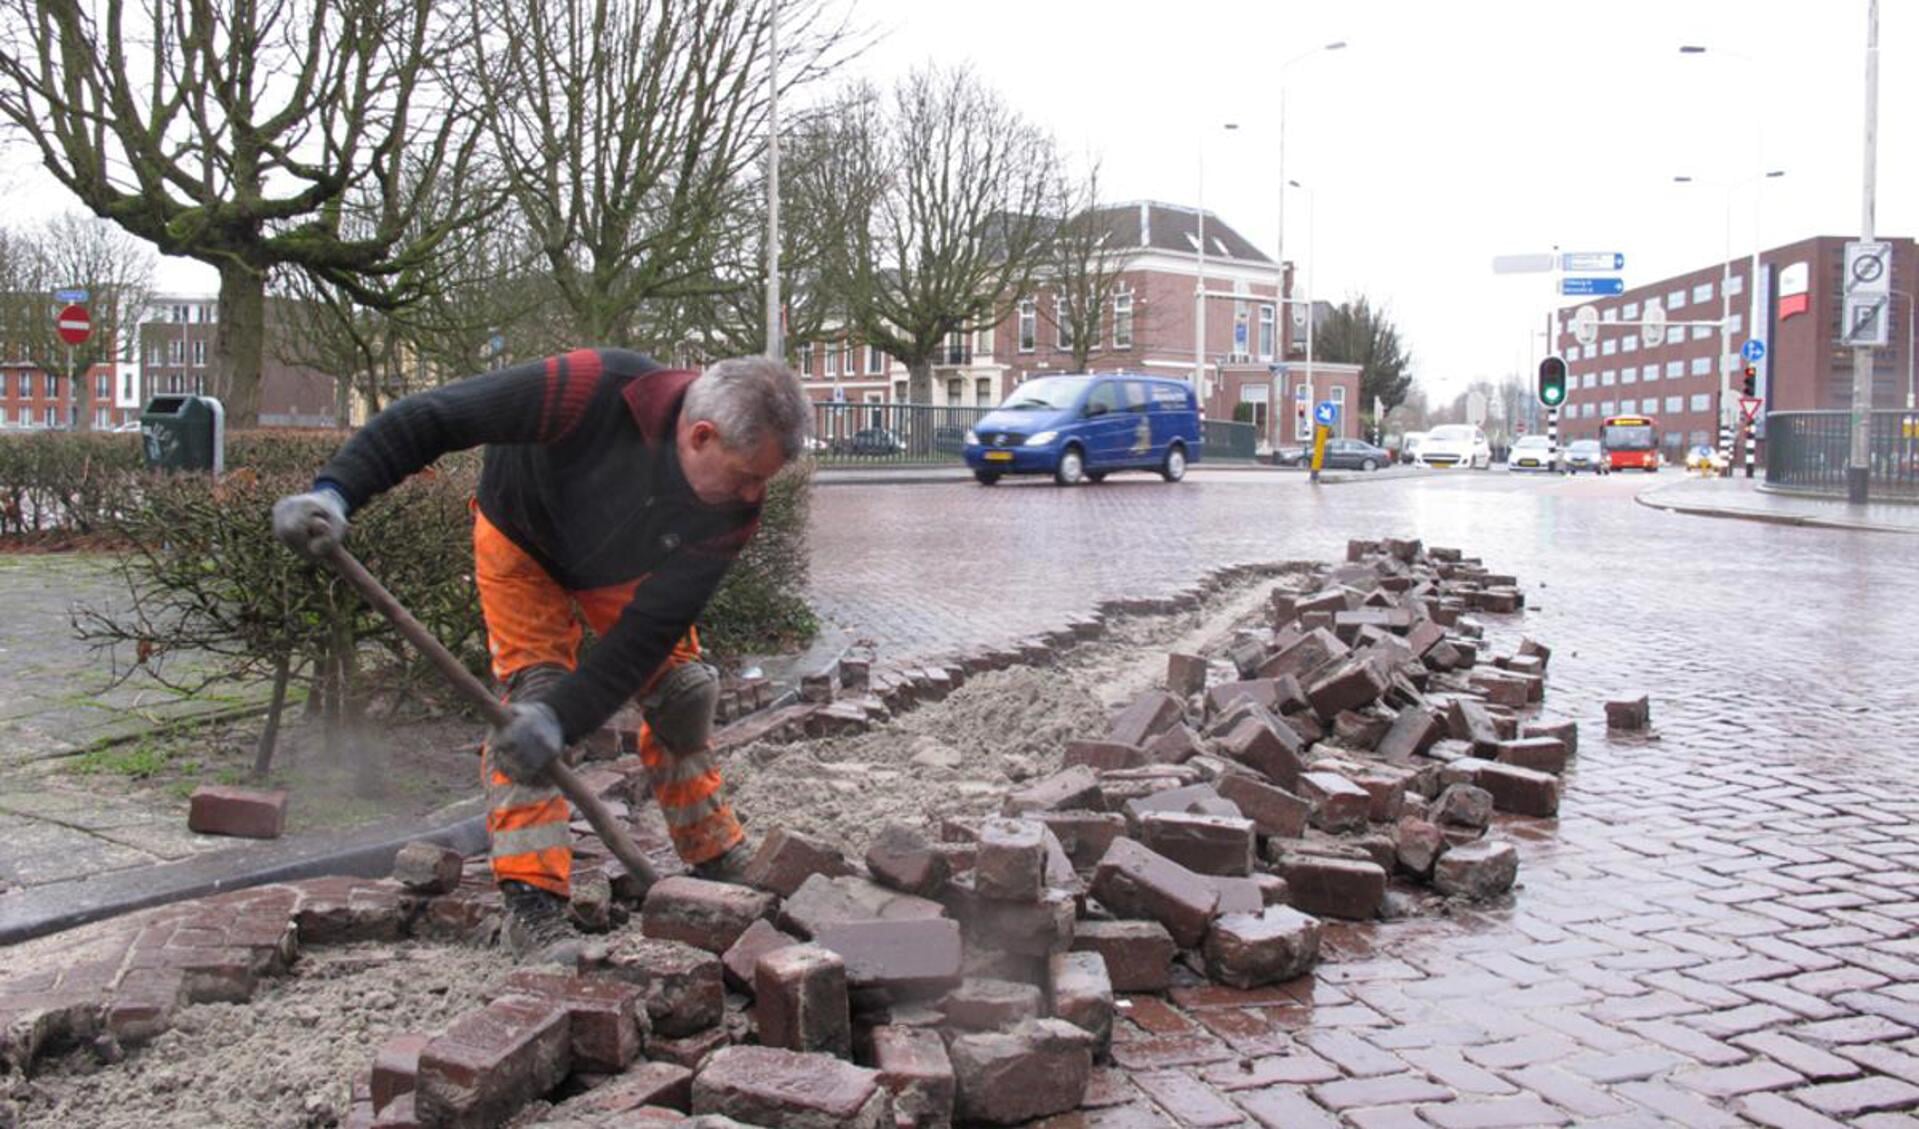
column 775, row 330
column 1859, row 465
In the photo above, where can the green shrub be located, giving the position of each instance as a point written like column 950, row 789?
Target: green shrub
column 761, row 606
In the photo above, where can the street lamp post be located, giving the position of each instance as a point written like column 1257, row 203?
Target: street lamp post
column 1725, row 298
column 1279, row 295
column 775, row 332
column 1312, row 280
column 1199, row 281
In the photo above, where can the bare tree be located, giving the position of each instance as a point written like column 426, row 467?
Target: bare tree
column 72, row 250
column 1084, row 271
column 945, row 198
column 624, row 129
column 247, row 135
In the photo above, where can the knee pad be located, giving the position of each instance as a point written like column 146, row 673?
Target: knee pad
column 679, row 708
column 530, row 684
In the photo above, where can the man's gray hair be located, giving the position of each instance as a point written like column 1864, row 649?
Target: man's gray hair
column 749, row 398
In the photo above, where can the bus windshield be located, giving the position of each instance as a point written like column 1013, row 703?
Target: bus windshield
column 1636, row 436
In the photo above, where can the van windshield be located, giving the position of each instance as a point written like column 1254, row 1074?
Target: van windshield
column 1048, row 393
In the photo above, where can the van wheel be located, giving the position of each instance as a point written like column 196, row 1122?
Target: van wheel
column 1369, row 465
column 986, row 477
column 1175, row 466
column 1072, row 467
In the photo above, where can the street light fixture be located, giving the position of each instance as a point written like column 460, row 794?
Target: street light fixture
column 1725, row 297
column 1280, row 292
column 1199, row 279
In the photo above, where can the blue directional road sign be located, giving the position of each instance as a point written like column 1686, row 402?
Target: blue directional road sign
column 1592, row 260
column 1752, row 351
column 1592, row 286
column 1325, row 412
column 74, row 295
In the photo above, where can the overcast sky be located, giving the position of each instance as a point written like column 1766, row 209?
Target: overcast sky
column 1447, row 133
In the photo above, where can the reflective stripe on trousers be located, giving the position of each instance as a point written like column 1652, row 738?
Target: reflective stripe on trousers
column 532, row 620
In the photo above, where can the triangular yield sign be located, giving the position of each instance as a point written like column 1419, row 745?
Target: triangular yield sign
column 1749, row 407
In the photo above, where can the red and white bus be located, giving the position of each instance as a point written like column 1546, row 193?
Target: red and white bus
column 1631, row 442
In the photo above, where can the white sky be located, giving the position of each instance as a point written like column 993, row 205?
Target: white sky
column 1447, row 133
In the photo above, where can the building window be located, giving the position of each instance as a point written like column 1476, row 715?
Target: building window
column 1123, row 320
column 1029, row 326
column 832, row 361
column 200, row 352
column 48, row 417
column 1675, row 369
column 101, row 388
column 1735, row 323
column 983, row 391
column 4, row 419
column 1608, row 347
column 982, row 344
column 956, row 353
column 1587, row 380
column 1649, row 374
column 1674, row 404
column 1628, row 407
column 126, row 387
column 1266, row 330
column 1702, row 366
column 1608, row 378
column 1701, row 401
column 1628, row 375
column 846, row 358
column 52, row 385
column 899, row 394
column 875, row 361
column 175, row 353
column 1630, row 312
column 1701, row 332
column 1063, row 321
column 1702, row 292
column 100, row 419
column 1629, row 343
column 806, row 360
column 1675, row 300
column 1736, row 285
column 955, row 390
column 1608, row 408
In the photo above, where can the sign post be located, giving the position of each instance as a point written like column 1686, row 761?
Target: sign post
column 74, row 325
column 1324, row 414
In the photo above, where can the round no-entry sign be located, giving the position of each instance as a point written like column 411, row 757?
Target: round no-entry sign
column 74, row 325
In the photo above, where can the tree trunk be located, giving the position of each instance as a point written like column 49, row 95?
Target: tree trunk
column 919, row 381
column 239, row 344
column 270, row 736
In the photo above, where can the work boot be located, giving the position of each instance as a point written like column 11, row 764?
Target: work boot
column 727, row 867
column 537, row 931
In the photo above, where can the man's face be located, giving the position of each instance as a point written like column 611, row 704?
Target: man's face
column 720, row 476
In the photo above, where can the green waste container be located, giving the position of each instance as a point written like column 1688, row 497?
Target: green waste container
column 184, row 433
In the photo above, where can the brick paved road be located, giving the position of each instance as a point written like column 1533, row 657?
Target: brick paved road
column 1719, row 928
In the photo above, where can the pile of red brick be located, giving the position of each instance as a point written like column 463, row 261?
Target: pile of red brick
column 1351, row 753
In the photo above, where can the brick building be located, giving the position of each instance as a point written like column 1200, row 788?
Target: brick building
column 1807, row 366
column 176, row 342
column 1147, row 328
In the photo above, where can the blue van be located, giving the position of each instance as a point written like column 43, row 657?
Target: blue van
column 1082, row 428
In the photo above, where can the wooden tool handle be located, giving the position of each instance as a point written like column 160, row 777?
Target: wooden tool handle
column 490, row 707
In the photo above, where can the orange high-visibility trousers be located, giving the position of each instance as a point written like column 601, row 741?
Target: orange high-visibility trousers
column 532, row 621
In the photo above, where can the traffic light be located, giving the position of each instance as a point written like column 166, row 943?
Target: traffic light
column 1750, row 387
column 1552, row 381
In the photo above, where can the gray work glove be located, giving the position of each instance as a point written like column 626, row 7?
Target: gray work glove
column 527, row 743
column 311, row 524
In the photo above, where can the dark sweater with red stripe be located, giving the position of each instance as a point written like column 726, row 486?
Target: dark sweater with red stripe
column 582, row 473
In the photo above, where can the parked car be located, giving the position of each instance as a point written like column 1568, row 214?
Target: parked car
column 1455, row 445
column 1409, row 445
column 1292, row 456
column 1080, row 428
column 1533, row 452
column 871, row 442
column 1353, row 454
column 1586, row 454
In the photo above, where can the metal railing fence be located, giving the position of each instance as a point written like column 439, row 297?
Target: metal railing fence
column 1810, row 450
